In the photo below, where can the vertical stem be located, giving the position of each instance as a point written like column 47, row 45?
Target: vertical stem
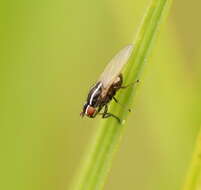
column 100, row 154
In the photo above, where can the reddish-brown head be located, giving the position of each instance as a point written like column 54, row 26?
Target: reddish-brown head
column 88, row 111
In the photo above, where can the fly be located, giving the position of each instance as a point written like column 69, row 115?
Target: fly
column 108, row 84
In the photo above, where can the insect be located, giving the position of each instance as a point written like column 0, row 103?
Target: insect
column 107, row 85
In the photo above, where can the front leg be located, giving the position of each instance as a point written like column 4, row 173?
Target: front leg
column 105, row 114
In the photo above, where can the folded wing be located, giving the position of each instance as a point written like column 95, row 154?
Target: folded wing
column 115, row 66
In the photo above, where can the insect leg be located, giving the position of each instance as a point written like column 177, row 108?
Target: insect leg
column 137, row 81
column 115, row 99
column 129, row 110
column 105, row 114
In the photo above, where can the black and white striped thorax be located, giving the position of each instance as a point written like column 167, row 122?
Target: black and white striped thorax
column 94, row 95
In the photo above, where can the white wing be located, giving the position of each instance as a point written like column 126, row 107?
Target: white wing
column 115, row 66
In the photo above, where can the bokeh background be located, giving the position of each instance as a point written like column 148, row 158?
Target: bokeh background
column 51, row 52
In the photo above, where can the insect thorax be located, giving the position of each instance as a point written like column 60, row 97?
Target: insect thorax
column 94, row 95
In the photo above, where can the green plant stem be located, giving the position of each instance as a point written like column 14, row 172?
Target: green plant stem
column 193, row 181
column 99, row 156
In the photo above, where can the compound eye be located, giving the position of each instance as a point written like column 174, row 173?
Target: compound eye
column 90, row 111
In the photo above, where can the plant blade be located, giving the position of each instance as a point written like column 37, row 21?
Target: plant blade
column 98, row 161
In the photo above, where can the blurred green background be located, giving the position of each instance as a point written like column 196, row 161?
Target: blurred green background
column 53, row 51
